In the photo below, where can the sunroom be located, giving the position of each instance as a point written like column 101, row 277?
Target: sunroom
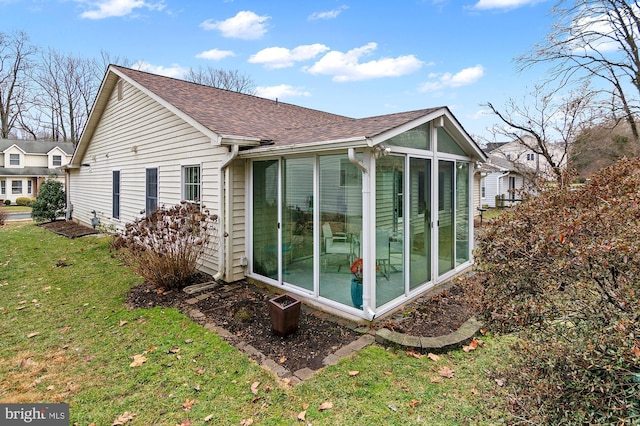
column 363, row 224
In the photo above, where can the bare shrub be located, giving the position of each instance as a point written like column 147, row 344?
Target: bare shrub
column 563, row 270
column 165, row 247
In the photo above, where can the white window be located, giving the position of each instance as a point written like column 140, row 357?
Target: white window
column 530, row 157
column 57, row 160
column 16, row 187
column 3, row 187
column 14, row 159
column 191, row 183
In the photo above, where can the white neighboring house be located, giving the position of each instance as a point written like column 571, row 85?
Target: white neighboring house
column 511, row 165
column 25, row 164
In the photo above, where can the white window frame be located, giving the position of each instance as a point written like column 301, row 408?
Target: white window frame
column 56, row 159
column 14, row 159
column 16, row 187
column 188, row 187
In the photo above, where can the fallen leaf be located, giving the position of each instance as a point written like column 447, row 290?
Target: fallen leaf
column 123, row 322
column 414, row 354
column 474, row 391
column 208, row 418
column 46, row 288
column 499, row 382
column 388, row 373
column 64, row 329
column 483, row 331
column 305, row 406
column 636, row 351
column 353, row 373
column 201, row 371
column 174, row 350
column 472, row 346
column 189, row 341
column 184, row 423
column 325, row 406
column 123, row 418
column 138, row 360
column 187, row 404
column 282, row 359
column 31, row 335
column 414, row 403
column 254, row 388
column 433, row 357
column 50, row 388
column 246, row 422
column 446, row 372
column 392, row 407
column 197, row 388
column 302, row 415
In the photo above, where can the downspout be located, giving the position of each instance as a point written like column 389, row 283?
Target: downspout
column 222, row 169
column 366, row 296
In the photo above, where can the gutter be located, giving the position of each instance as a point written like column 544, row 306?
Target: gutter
column 222, row 213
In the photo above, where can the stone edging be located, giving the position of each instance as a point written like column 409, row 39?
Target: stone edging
column 383, row 336
column 295, row 377
column 443, row 343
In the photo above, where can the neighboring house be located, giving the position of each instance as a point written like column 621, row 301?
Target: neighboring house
column 25, row 164
column 511, row 166
column 301, row 194
column 500, row 178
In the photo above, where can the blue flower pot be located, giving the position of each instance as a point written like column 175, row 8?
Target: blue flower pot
column 356, row 293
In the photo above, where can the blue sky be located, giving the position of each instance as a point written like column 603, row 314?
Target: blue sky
column 354, row 57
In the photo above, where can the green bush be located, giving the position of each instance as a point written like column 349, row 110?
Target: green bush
column 165, row 247
column 7, row 202
column 563, row 270
column 24, row 201
column 50, row 202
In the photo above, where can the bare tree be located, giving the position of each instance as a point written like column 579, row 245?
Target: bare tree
column 222, row 79
column 16, row 62
column 547, row 124
column 67, row 87
column 596, row 39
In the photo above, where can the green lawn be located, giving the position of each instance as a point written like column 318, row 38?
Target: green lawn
column 67, row 336
column 16, row 209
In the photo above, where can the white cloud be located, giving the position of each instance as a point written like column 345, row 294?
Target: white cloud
column 280, row 92
column 175, row 71
column 281, row 57
column 245, row 25
column 110, row 8
column 347, row 66
column 447, row 80
column 504, row 4
column 215, row 54
column 330, row 14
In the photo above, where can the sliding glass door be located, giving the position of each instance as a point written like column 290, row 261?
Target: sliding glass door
column 420, row 222
column 297, row 222
column 265, row 218
column 446, row 219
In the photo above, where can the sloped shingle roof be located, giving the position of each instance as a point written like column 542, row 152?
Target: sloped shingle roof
column 231, row 113
column 36, row 147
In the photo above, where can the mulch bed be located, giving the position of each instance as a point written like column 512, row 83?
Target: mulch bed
column 242, row 309
column 69, row 228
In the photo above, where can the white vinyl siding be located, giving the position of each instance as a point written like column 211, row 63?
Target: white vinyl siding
column 162, row 140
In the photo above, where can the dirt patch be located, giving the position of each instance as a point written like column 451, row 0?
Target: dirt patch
column 242, row 309
column 69, row 228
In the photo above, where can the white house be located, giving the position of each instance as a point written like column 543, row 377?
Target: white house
column 301, row 194
column 510, row 167
column 24, row 164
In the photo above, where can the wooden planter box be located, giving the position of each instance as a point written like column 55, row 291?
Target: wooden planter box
column 285, row 314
